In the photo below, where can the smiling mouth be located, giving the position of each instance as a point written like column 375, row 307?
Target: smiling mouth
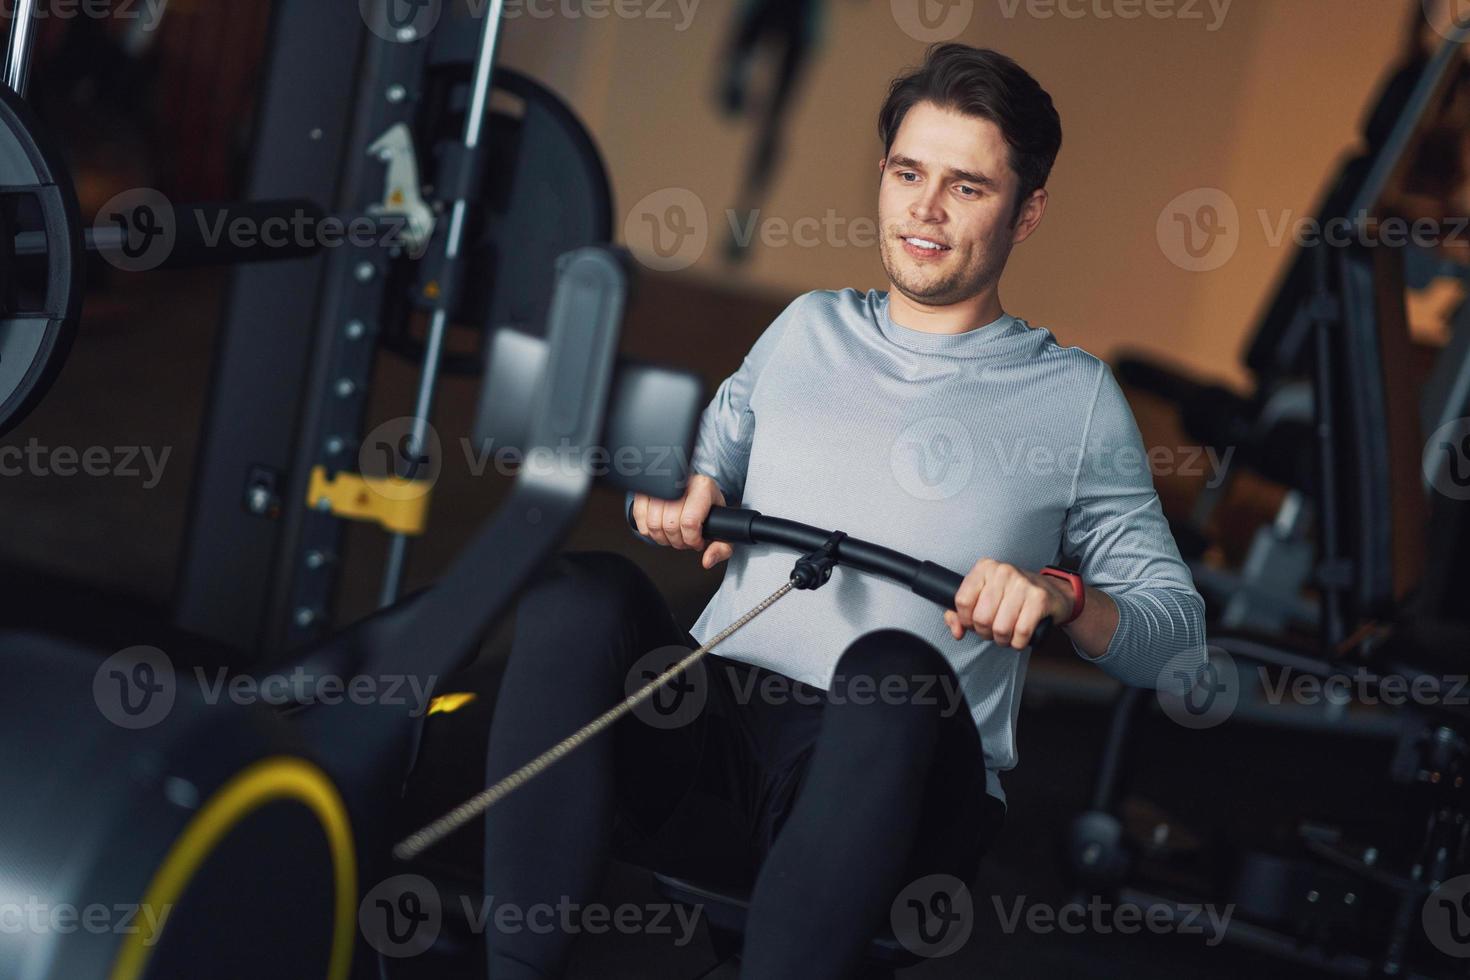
column 924, row 246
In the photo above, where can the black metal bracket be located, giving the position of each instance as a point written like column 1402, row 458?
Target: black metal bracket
column 812, row 571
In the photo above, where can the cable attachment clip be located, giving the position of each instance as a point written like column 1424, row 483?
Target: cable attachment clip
column 812, row 571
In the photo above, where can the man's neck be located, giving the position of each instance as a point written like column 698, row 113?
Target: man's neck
column 971, row 314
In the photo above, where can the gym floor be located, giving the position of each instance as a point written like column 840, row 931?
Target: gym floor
column 138, row 379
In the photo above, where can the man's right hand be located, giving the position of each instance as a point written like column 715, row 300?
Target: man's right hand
column 680, row 523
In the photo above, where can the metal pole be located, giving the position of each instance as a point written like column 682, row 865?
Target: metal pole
column 1421, row 100
column 454, row 239
column 18, row 50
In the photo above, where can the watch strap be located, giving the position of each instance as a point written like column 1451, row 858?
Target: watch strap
column 1074, row 579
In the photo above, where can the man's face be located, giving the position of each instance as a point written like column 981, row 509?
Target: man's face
column 947, row 180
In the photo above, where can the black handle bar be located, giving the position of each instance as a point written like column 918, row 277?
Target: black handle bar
column 924, row 578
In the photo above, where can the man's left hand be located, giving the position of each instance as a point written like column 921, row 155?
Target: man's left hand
column 1003, row 603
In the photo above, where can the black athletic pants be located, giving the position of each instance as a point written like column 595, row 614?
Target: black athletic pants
column 830, row 805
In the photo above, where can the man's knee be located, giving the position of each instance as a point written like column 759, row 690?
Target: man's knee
column 892, row 653
column 594, row 586
column 891, row 688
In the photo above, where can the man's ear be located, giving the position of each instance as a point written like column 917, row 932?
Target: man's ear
column 1032, row 211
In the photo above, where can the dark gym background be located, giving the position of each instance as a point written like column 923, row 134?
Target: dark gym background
column 1262, row 103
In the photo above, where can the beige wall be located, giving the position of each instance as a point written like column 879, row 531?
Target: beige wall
column 1261, row 108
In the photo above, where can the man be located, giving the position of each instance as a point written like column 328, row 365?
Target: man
column 925, row 418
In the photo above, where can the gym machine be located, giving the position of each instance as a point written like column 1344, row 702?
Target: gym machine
column 365, row 124
column 477, row 178
column 259, row 831
column 1271, row 429
column 1323, row 892
column 242, row 837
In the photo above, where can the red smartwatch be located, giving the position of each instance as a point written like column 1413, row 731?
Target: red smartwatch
column 1072, row 578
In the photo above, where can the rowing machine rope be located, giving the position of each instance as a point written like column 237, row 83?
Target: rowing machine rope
column 416, row 843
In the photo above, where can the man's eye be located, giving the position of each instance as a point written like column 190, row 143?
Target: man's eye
column 907, row 173
column 969, row 191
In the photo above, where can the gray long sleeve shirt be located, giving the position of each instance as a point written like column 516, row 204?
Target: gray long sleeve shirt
column 993, row 443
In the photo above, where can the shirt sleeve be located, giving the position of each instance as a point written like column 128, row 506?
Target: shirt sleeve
column 727, row 427
column 1117, row 533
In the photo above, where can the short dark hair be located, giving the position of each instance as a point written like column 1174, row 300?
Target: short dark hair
column 984, row 83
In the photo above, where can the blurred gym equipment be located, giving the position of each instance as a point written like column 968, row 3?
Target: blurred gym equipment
column 248, row 834
column 1384, row 563
column 258, row 830
column 1271, row 430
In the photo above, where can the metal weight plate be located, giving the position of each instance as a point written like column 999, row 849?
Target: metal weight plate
column 40, row 296
column 544, row 192
column 545, row 199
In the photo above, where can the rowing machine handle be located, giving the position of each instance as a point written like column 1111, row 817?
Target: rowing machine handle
column 939, row 585
column 930, row 581
column 730, row 524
